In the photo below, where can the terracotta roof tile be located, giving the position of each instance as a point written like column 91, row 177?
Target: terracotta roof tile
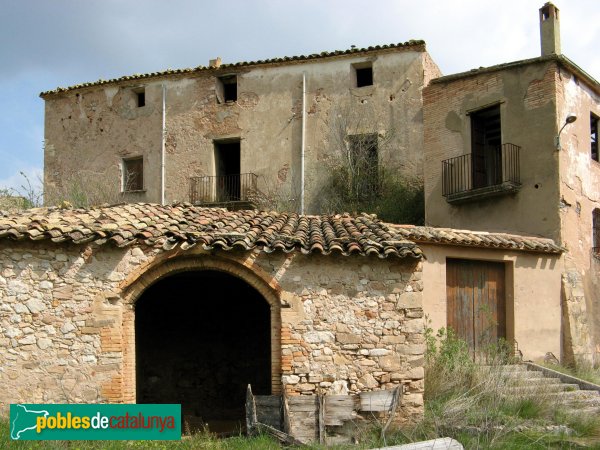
column 187, row 226
column 285, row 59
column 447, row 236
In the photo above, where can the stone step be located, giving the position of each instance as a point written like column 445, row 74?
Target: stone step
column 508, row 368
column 531, row 381
column 544, row 389
column 591, row 396
column 526, row 374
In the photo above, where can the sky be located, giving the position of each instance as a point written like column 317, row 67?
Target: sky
column 49, row 43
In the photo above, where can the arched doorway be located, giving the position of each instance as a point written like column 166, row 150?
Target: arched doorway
column 201, row 336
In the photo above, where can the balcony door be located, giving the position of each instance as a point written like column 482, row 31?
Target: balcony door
column 227, row 171
column 486, row 145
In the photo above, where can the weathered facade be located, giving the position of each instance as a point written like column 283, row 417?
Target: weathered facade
column 513, row 148
column 178, row 304
column 229, row 119
column 492, row 286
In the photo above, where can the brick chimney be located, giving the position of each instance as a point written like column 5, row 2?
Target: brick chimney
column 549, row 29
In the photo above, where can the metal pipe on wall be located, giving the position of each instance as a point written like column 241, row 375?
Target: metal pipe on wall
column 162, row 149
column 303, row 145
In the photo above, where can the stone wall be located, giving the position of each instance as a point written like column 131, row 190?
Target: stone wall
column 338, row 324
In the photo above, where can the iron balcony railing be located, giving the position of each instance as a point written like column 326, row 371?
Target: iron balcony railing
column 223, row 188
column 497, row 169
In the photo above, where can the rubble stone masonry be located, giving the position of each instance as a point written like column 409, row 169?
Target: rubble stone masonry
column 339, row 324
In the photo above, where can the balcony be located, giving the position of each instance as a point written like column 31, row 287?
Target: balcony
column 234, row 192
column 496, row 171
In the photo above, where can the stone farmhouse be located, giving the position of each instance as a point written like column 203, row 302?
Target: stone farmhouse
column 162, row 299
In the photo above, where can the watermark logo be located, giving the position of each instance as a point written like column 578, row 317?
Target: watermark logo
column 95, row 422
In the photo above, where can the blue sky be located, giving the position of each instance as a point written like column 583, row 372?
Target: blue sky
column 50, row 43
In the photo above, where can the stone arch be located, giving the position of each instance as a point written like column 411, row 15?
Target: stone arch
column 138, row 283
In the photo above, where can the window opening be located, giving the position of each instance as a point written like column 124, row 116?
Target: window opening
column 363, row 165
column 133, row 174
column 594, row 137
column 364, row 76
column 141, row 98
column 227, row 89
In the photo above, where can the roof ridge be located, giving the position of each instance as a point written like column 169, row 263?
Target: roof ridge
column 275, row 60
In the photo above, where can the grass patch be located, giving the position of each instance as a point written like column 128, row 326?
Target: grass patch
column 481, row 407
column 584, row 370
column 197, row 441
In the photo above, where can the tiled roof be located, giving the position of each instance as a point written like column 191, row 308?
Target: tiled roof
column 285, row 59
column 186, row 225
column 449, row 236
column 560, row 59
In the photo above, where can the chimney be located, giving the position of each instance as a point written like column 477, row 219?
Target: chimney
column 215, row 63
column 549, row 29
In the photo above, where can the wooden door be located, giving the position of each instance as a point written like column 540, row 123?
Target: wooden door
column 476, row 308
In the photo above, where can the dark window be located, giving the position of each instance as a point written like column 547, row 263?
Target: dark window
column 364, row 76
column 594, row 136
column 141, row 98
column 227, row 89
column 486, row 147
column 596, row 231
column 133, row 174
column 363, row 165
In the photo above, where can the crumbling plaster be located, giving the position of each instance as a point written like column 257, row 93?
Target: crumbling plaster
column 580, row 195
column 91, row 129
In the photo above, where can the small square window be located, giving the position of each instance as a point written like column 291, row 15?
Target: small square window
column 227, row 89
column 364, row 76
column 133, row 174
column 594, row 136
column 141, row 98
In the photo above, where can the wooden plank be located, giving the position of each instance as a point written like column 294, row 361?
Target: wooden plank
column 302, row 403
column 286, row 415
column 303, row 417
column 376, row 400
column 398, row 393
column 321, row 418
column 267, row 401
column 434, row 444
column 250, row 411
column 284, row 438
column 339, row 409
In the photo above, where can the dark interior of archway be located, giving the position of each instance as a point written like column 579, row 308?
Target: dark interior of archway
column 201, row 338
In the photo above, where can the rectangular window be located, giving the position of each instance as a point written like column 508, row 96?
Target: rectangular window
column 364, row 75
column 140, row 97
column 363, row 165
column 227, row 89
column 133, row 174
column 596, row 231
column 594, row 136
